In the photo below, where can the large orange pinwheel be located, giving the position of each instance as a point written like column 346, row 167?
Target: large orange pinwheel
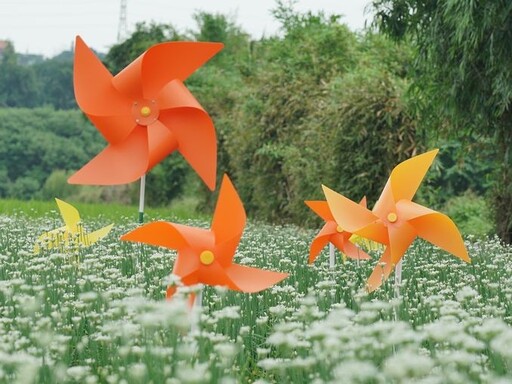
column 145, row 112
column 331, row 232
column 395, row 220
column 206, row 255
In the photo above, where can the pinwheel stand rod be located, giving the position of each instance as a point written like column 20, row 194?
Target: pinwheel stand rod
column 332, row 258
column 141, row 198
column 398, row 278
column 197, row 308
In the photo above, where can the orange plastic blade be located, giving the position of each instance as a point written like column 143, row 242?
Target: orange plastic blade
column 248, row 279
column 158, row 233
column 381, row 272
column 348, row 214
column 69, row 214
column 321, row 208
column 106, row 107
column 176, row 95
column 321, row 240
column 197, row 141
column 118, row 163
column 407, row 176
column 161, row 143
column 162, row 63
column 441, row 231
column 400, row 239
column 228, row 221
column 348, row 248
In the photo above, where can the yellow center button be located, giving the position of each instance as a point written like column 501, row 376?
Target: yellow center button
column 392, row 217
column 206, row 257
column 145, row 111
column 339, row 229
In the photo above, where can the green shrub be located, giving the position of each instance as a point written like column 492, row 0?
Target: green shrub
column 471, row 213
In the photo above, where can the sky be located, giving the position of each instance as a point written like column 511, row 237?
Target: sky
column 49, row 27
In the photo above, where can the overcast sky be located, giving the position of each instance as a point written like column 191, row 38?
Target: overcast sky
column 49, row 26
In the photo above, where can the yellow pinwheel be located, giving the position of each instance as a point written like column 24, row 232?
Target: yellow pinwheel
column 72, row 235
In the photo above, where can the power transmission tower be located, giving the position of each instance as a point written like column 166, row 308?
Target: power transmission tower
column 122, row 28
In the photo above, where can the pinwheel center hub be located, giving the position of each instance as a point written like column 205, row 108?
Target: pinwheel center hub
column 339, row 229
column 206, row 257
column 145, row 112
column 392, row 217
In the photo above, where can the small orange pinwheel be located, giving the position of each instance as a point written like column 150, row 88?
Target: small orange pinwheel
column 145, row 112
column 206, row 256
column 331, row 232
column 395, row 220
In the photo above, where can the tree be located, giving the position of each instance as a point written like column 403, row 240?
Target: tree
column 463, row 69
column 18, row 86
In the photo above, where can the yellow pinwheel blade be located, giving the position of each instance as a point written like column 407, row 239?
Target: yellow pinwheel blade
column 93, row 237
column 51, row 239
column 69, row 214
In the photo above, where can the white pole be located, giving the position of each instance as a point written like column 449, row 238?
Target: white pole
column 398, row 278
column 141, row 198
column 332, row 259
column 197, row 308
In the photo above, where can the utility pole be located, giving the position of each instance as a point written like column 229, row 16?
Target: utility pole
column 122, row 28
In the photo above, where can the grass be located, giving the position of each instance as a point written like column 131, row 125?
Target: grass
column 99, row 316
column 181, row 209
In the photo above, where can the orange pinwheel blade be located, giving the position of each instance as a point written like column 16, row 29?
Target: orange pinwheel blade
column 118, row 163
column 441, row 231
column 400, row 239
column 407, row 176
column 176, row 95
column 381, row 272
column 355, row 218
column 321, row 208
column 162, row 63
column 228, row 222
column 197, row 141
column 348, row 248
column 161, row 142
column 250, row 280
column 434, row 227
column 104, row 105
column 159, row 233
column 348, row 214
column 321, row 240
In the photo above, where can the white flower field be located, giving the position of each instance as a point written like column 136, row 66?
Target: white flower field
column 100, row 315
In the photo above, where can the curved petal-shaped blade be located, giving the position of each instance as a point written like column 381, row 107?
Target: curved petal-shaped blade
column 348, row 248
column 98, row 234
column 162, row 63
column 52, row 238
column 348, row 214
column 176, row 95
column 321, row 240
column 106, row 107
column 159, row 233
column 197, row 141
column 161, row 143
column 407, row 176
column 400, row 239
column 228, row 220
column 118, row 163
column 381, row 272
column 249, row 280
column 441, row 231
column 69, row 214
column 321, row 208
